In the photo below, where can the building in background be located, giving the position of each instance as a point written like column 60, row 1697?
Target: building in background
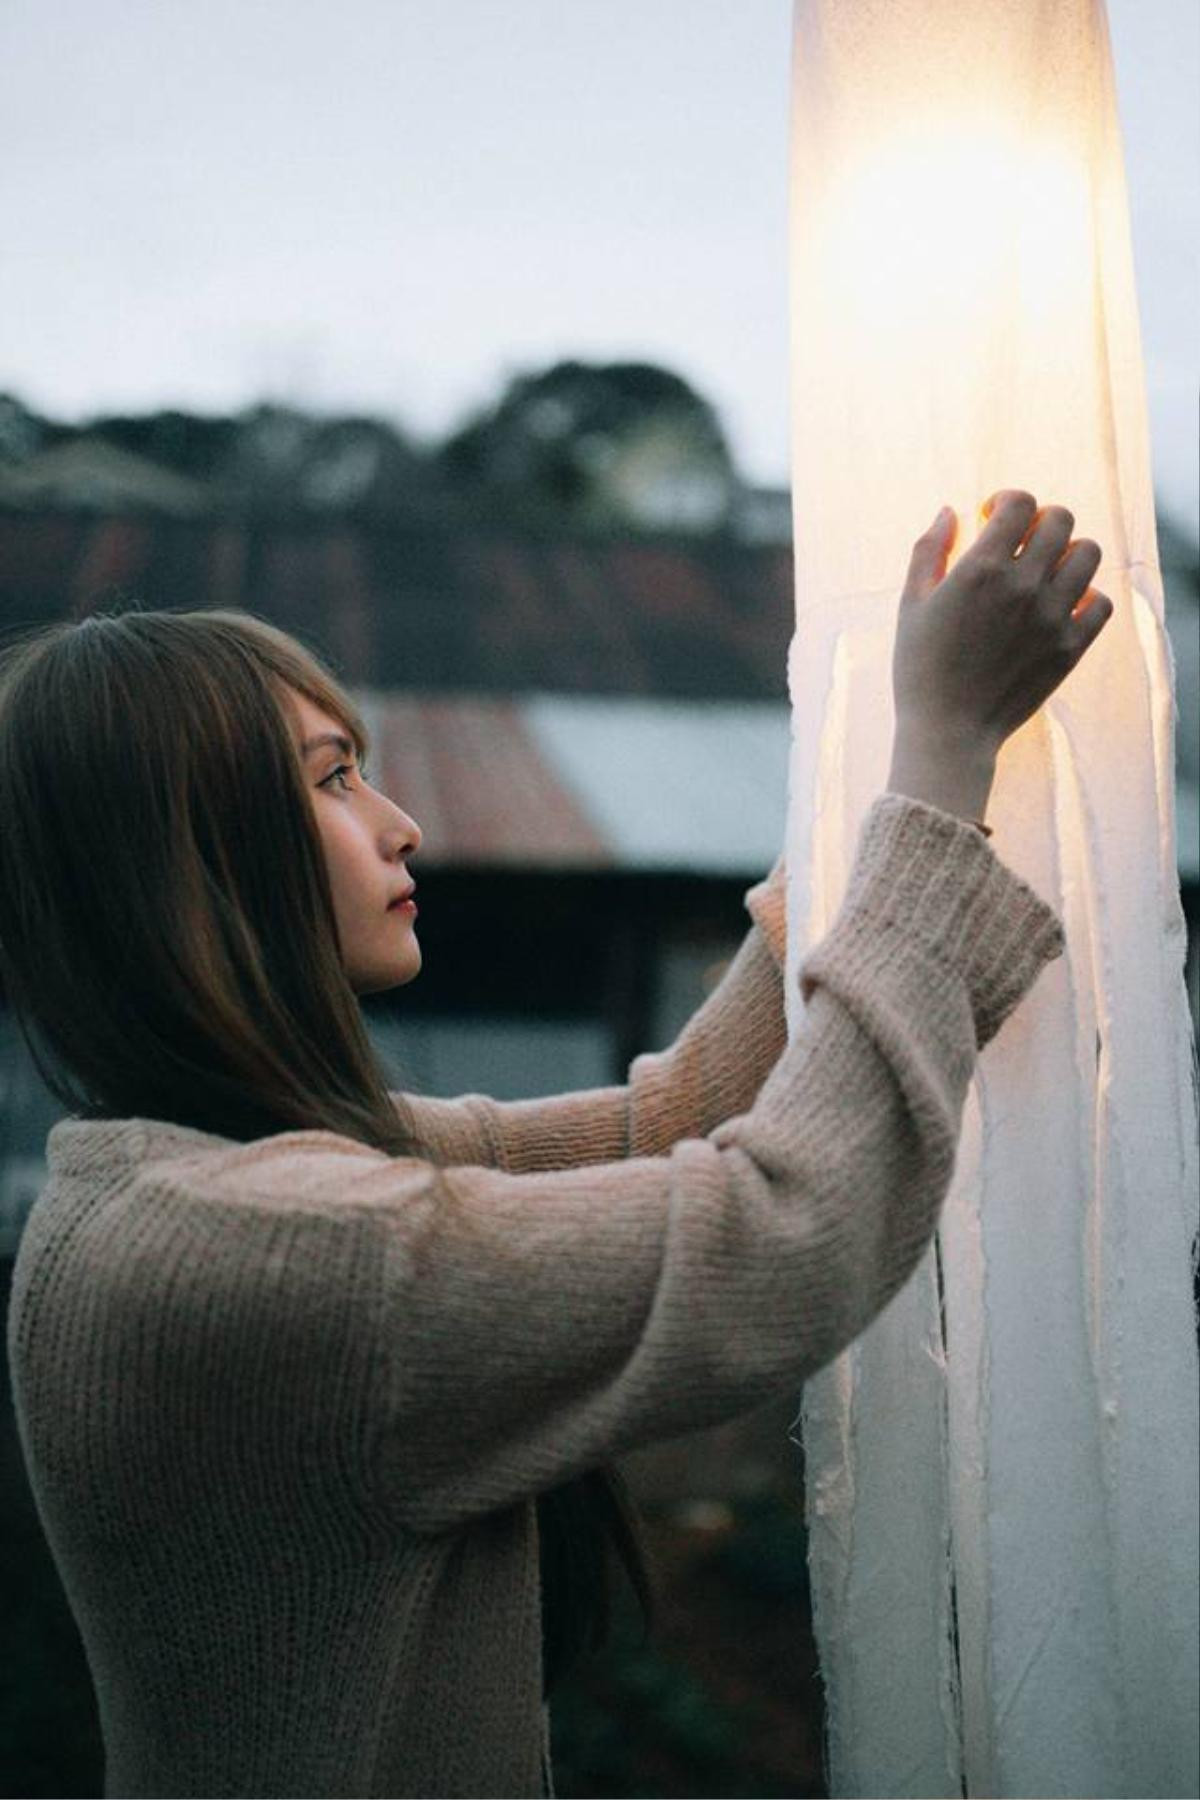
column 592, row 732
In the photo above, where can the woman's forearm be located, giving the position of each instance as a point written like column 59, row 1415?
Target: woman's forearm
column 712, row 1070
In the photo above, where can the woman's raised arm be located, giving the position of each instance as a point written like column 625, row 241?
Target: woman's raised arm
column 530, row 1327
column 712, row 1071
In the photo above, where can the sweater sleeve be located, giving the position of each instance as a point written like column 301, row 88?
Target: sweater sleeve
column 714, row 1069
column 533, row 1326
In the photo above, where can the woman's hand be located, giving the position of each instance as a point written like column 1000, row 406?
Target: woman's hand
column 978, row 651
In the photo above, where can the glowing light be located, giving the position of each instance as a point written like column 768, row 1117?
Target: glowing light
column 1003, row 1520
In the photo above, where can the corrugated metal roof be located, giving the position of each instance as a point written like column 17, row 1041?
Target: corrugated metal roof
column 535, row 702
column 471, row 773
column 569, row 702
column 567, row 781
column 673, row 784
column 424, row 609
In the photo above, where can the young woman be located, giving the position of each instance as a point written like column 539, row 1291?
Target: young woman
column 319, row 1385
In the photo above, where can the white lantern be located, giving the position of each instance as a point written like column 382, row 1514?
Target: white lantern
column 1002, row 1507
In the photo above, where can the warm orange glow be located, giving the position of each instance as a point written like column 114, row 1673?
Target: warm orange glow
column 1001, row 1471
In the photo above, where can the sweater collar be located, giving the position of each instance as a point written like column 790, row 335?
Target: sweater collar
column 81, row 1146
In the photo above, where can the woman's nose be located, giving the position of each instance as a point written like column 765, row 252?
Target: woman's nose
column 412, row 832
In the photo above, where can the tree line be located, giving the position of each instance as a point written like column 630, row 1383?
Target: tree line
column 578, row 444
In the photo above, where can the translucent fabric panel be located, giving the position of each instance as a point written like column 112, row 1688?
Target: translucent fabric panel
column 1002, row 1471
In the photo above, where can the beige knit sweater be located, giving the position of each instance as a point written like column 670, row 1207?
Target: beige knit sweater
column 286, row 1404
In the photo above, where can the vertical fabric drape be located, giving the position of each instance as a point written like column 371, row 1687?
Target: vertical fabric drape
column 1002, row 1471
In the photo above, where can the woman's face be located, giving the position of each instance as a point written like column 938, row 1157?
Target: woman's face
column 366, row 838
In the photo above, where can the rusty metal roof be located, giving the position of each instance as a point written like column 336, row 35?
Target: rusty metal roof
column 532, row 702
column 470, row 772
column 584, row 781
column 424, row 609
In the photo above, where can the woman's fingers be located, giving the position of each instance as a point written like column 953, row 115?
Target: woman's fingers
column 1075, row 570
column 927, row 565
column 1038, row 540
column 1045, row 542
column 1009, row 515
column 1088, row 621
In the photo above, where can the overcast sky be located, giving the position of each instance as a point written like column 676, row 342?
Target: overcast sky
column 392, row 205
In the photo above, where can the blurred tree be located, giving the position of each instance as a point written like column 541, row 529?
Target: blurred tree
column 610, row 446
column 280, row 458
column 187, row 443
column 605, row 444
column 22, row 432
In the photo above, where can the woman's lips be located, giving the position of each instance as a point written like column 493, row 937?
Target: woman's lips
column 407, row 907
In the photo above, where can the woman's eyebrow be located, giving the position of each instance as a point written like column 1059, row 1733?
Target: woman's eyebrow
column 328, row 737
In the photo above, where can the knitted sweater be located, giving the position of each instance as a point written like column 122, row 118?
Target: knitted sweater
column 286, row 1404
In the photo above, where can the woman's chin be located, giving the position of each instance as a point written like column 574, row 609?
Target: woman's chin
column 395, row 972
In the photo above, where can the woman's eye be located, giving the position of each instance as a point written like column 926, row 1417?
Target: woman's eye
column 340, row 773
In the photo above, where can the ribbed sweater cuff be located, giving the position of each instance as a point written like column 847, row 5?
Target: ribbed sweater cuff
column 925, row 875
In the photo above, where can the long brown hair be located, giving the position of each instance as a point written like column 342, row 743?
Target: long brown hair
column 169, row 947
